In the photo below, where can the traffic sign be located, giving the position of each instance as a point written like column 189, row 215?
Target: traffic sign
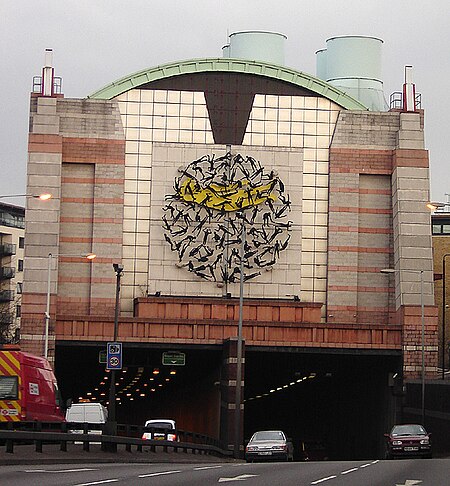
column 114, row 356
column 173, row 358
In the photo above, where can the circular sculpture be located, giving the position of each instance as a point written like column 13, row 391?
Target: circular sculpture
column 213, row 198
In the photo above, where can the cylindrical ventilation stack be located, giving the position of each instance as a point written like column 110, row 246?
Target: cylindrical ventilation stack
column 256, row 45
column 353, row 64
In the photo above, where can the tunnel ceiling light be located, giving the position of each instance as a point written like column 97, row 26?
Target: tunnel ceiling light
column 173, row 372
column 156, row 371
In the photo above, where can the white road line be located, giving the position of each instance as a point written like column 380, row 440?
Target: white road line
column 349, row 470
column 98, row 482
column 157, row 474
column 205, row 467
column 59, row 471
column 375, row 462
column 365, row 465
column 323, row 479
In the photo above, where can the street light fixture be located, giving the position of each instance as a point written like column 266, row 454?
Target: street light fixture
column 436, row 205
column 88, row 256
column 43, row 197
column 392, row 270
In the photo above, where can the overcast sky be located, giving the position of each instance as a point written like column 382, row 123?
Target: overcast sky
column 98, row 41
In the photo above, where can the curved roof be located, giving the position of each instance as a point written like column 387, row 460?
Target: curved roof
column 243, row 66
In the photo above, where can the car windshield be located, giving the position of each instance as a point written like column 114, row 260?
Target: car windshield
column 159, row 425
column 408, row 430
column 268, row 435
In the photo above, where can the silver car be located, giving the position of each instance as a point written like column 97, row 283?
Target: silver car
column 269, row 445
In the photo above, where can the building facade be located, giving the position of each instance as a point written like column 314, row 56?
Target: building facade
column 12, row 242
column 441, row 254
column 214, row 179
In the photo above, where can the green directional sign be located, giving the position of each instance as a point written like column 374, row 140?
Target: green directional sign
column 102, row 356
column 173, row 358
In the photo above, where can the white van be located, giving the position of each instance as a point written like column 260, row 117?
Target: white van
column 92, row 413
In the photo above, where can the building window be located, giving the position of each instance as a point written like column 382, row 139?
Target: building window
column 20, row 266
column 19, row 287
column 18, row 310
column 21, row 242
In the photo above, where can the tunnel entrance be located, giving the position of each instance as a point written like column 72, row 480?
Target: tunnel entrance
column 341, row 398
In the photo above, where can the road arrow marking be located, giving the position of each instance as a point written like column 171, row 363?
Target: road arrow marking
column 242, row 477
column 410, row 482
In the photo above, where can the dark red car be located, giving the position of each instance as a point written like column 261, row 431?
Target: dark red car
column 408, row 440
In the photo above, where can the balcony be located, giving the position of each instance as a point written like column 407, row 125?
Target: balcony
column 6, row 295
column 7, row 272
column 7, row 249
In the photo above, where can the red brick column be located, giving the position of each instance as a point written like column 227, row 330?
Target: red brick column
column 412, row 341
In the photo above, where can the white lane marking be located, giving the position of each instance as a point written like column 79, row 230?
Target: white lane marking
column 349, row 470
column 323, row 479
column 205, row 467
column 157, row 474
column 365, row 465
column 375, row 462
column 59, row 470
column 242, row 477
column 410, row 482
column 98, row 482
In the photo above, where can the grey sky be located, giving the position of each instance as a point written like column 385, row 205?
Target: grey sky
column 98, row 41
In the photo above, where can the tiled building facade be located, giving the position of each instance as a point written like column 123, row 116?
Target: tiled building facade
column 351, row 192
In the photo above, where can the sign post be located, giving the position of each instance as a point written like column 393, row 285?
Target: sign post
column 114, row 356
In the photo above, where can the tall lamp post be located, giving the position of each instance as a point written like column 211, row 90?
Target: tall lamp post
column 422, row 308
column 443, row 314
column 237, row 416
column 88, row 256
column 118, row 269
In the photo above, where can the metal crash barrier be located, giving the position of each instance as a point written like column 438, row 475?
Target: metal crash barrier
column 41, row 433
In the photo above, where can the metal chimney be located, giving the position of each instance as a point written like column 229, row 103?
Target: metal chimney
column 409, row 91
column 48, row 73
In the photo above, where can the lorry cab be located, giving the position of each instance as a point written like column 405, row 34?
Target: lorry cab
column 28, row 388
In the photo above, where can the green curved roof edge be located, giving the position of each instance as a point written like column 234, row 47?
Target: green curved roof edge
column 267, row 70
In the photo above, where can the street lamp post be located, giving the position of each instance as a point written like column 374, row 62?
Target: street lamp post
column 422, row 308
column 118, row 269
column 237, row 416
column 443, row 314
column 89, row 256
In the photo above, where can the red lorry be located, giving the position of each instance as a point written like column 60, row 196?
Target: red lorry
column 28, row 388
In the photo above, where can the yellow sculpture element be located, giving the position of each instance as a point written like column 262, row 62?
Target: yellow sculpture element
column 232, row 197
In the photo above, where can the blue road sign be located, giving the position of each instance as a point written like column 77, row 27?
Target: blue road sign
column 114, row 356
